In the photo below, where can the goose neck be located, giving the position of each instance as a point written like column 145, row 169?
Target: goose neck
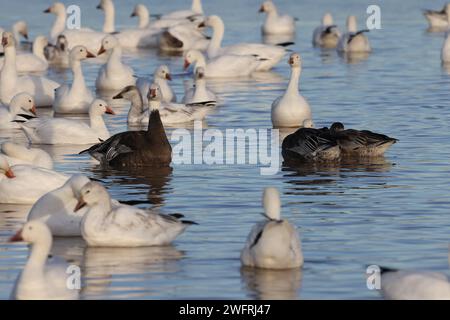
column 39, row 254
column 97, row 123
column 144, row 20
column 109, row 24
column 216, row 40
column 38, row 50
column 115, row 57
column 137, row 106
column 197, row 6
column 78, row 78
column 294, row 81
column 9, row 66
column 59, row 25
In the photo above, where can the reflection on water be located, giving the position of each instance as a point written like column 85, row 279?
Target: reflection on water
column 354, row 57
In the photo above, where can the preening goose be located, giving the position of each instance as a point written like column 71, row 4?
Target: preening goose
column 17, row 154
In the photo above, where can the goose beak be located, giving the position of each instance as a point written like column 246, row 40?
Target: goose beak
column 261, row 9
column 168, row 77
column 186, row 64
column 109, row 111
column 102, row 50
column 81, row 204
column 47, row 10
column 152, row 93
column 10, row 174
column 33, row 110
column 291, row 61
column 90, row 55
column 17, row 237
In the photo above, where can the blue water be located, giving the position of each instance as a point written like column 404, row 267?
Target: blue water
column 393, row 212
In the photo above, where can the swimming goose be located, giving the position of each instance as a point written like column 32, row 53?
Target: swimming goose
column 141, row 12
column 183, row 36
column 414, row 285
column 77, row 97
column 170, row 113
column 196, row 10
column 24, row 184
column 274, row 243
column 309, row 144
column 276, row 24
column 326, row 35
column 223, row 66
column 41, row 88
column 353, row 40
column 137, row 148
column 114, row 75
column 124, row 226
column 32, row 62
column 161, row 76
column 41, row 278
column 360, row 143
column 58, row 54
column 200, row 93
column 291, row 109
column 17, row 154
column 268, row 54
column 20, row 105
column 68, row 131
column 438, row 19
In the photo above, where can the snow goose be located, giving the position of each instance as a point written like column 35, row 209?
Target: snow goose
column 360, row 142
column 268, row 54
column 326, row 35
column 34, row 61
column 41, row 88
column 124, row 226
column 353, row 40
column 41, row 278
column 183, row 36
column 108, row 8
column 196, row 10
column 68, row 131
column 17, row 154
column 274, row 23
column 114, row 75
column 24, row 184
column 223, row 66
column 274, row 243
column 170, row 113
column 20, row 28
column 445, row 51
column 308, row 144
column 200, row 93
column 77, row 97
column 438, row 19
column 58, row 54
column 141, row 12
column 161, row 76
column 137, row 148
column 414, row 285
column 291, row 109
column 21, row 103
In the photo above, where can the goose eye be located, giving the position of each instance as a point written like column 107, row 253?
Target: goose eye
column 101, row 105
column 29, row 101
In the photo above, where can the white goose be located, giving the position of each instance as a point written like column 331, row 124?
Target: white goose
column 196, row 10
column 353, row 40
column 124, row 226
column 76, row 98
column 200, row 93
column 19, row 28
column 66, row 131
column 161, row 76
column 223, row 66
column 274, row 23
column 291, row 109
column 41, row 278
column 326, row 35
column 438, row 19
column 21, row 103
column 17, row 154
column 141, row 12
column 114, row 75
column 41, row 88
column 34, row 61
column 183, row 36
column 24, row 184
column 274, row 243
column 270, row 55
column 445, row 51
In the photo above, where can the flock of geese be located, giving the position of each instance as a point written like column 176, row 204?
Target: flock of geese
column 66, row 206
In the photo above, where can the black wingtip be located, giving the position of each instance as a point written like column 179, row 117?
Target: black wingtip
column 18, row 121
column 26, row 116
column 386, row 270
column 189, row 222
column 177, row 215
column 285, row 44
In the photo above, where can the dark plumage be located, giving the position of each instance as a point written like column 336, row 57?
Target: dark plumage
column 352, row 36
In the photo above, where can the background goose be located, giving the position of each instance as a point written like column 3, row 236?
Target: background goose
column 291, row 109
column 223, row 66
column 326, row 35
column 360, row 143
column 268, row 54
column 200, row 93
column 20, row 107
column 438, row 19
column 141, row 12
column 41, row 88
column 67, row 131
column 40, row 279
column 196, row 9
column 20, row 28
column 18, row 184
column 58, row 54
column 445, row 51
column 137, row 148
column 77, row 97
column 353, row 40
column 272, row 244
column 161, row 76
column 114, row 75
column 182, row 37
column 276, row 24
column 17, row 154
column 32, row 62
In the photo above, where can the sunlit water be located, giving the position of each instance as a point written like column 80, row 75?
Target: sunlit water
column 393, row 212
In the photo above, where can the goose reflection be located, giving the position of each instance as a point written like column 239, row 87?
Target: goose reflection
column 354, row 57
column 69, row 248
column 105, row 267
column 272, row 284
column 13, row 216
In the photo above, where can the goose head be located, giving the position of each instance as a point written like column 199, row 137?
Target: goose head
column 92, row 194
column 5, row 169
column 327, row 19
column 62, row 43
column 21, row 28
column 108, row 43
column 154, row 96
column 191, row 56
column 76, row 183
column 80, row 53
column 57, row 8
column 100, row 107
column 268, row 7
column 22, row 101
column 352, row 24
column 213, row 22
column 105, row 4
column 272, row 203
column 32, row 232
column 295, row 61
column 163, row 72
column 142, row 13
column 200, row 73
column 129, row 93
column 336, row 127
column 8, row 40
column 308, row 123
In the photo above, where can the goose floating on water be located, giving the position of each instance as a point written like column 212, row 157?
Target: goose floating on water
column 276, row 24
column 438, row 19
column 326, row 35
column 354, row 40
